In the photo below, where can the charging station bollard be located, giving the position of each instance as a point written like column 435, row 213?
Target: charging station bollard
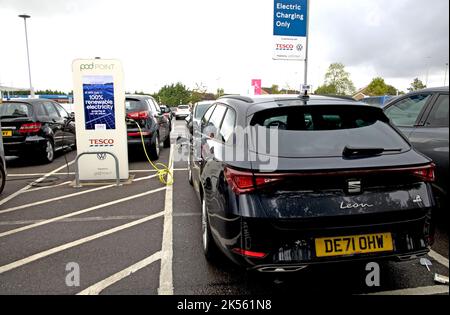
column 101, row 131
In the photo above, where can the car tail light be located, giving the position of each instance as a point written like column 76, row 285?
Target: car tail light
column 30, row 128
column 425, row 173
column 138, row 115
column 249, row 253
column 138, row 134
column 243, row 181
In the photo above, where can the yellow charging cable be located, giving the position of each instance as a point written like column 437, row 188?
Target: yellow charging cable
column 165, row 175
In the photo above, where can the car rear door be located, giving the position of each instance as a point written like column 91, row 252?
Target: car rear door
column 56, row 124
column 68, row 125
column 431, row 138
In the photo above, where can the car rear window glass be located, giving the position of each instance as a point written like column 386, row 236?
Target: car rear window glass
column 8, row 109
column 133, row 105
column 226, row 130
column 406, row 111
column 323, row 131
column 439, row 114
column 317, row 118
column 183, row 107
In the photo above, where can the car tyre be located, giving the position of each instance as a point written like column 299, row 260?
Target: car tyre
column 167, row 142
column 47, row 152
column 209, row 246
column 2, row 177
column 154, row 149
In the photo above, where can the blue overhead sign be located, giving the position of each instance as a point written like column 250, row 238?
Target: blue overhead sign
column 290, row 17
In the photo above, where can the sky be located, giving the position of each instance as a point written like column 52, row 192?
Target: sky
column 222, row 43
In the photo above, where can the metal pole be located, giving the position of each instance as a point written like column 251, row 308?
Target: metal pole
column 307, row 38
column 25, row 17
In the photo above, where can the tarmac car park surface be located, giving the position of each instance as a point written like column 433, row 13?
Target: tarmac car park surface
column 144, row 238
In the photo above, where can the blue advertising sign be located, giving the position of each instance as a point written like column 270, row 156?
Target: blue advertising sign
column 98, row 101
column 290, row 18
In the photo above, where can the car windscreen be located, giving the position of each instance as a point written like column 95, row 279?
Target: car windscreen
column 183, row 107
column 134, row 105
column 201, row 109
column 323, row 131
column 15, row 110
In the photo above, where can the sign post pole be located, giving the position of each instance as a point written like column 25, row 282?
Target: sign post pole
column 306, row 48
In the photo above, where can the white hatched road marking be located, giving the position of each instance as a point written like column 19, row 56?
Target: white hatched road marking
column 40, row 202
column 430, row 290
column 13, row 195
column 95, row 289
column 439, row 258
column 27, row 227
column 60, row 248
column 166, row 270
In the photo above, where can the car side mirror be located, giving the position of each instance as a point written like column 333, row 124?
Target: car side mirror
column 72, row 116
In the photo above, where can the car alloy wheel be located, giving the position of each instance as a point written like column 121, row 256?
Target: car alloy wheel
column 49, row 150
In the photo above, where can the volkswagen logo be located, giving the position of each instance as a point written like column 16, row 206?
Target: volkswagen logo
column 101, row 156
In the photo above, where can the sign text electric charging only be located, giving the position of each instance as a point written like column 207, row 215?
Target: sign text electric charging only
column 99, row 99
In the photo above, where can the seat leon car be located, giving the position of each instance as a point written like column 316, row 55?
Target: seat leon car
column 288, row 181
column 36, row 128
column 155, row 127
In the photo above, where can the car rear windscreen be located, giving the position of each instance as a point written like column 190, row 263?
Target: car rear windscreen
column 13, row 110
column 325, row 130
column 183, row 107
column 134, row 105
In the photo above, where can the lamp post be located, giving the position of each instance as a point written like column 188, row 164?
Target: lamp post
column 25, row 17
column 445, row 74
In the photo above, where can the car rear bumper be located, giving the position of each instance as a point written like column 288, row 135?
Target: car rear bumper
column 290, row 243
column 29, row 145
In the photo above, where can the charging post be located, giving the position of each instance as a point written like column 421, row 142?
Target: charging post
column 101, row 131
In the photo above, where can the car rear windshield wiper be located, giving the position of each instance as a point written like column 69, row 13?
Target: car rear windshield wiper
column 360, row 151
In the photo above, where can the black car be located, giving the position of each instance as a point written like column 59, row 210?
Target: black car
column 422, row 116
column 288, row 181
column 36, row 128
column 2, row 163
column 155, row 126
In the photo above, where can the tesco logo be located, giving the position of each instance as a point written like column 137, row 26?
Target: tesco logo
column 101, row 142
column 284, row 46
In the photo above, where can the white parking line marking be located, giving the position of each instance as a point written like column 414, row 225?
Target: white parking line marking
column 47, row 187
column 37, row 203
column 100, row 286
column 13, row 195
column 166, row 272
column 73, row 173
column 439, row 258
column 60, row 248
column 27, row 227
column 87, row 219
column 435, row 289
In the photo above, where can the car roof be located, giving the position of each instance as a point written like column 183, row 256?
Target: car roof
column 138, row 96
column 260, row 102
column 434, row 89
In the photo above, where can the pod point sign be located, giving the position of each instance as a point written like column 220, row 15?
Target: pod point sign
column 99, row 102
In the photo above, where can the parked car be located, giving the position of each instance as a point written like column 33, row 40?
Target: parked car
column 182, row 111
column 198, row 111
column 345, row 184
column 155, row 126
column 2, row 163
column 422, row 116
column 36, row 128
column 165, row 110
column 380, row 101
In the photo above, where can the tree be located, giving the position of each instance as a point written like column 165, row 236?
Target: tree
column 326, row 90
column 198, row 93
column 337, row 80
column 416, row 85
column 220, row 92
column 174, row 94
column 378, row 87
